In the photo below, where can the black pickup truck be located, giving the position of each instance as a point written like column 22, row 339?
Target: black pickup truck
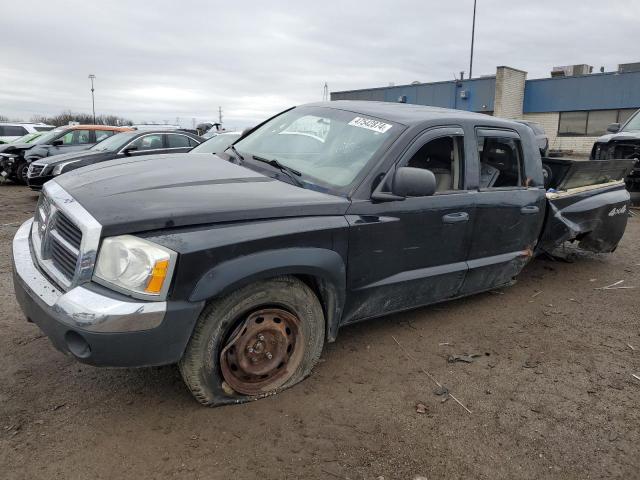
column 622, row 142
column 241, row 268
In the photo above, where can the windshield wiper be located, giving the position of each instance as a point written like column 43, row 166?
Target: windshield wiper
column 235, row 152
column 288, row 171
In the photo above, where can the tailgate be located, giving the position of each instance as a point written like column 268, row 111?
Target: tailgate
column 595, row 216
column 566, row 173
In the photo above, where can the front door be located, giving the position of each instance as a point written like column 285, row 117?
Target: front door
column 508, row 214
column 412, row 252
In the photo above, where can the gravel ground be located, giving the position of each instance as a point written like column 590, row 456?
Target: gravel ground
column 552, row 392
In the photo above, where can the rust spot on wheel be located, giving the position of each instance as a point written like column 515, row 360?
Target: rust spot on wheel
column 262, row 352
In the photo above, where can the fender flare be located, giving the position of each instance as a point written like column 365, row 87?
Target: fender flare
column 325, row 267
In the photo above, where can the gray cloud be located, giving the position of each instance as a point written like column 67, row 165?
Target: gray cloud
column 159, row 60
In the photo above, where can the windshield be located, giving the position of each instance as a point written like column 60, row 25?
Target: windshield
column 329, row 145
column 49, row 136
column 217, row 144
column 114, row 143
column 633, row 124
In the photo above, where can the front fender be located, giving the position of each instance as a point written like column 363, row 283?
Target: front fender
column 326, row 267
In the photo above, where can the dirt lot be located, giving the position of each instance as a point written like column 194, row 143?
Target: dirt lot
column 552, row 392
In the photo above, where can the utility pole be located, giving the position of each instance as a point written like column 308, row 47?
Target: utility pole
column 93, row 101
column 473, row 34
column 220, row 116
column 325, row 92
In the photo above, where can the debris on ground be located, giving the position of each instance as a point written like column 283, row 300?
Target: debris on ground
column 463, row 358
column 614, row 286
column 536, row 294
column 431, row 377
column 637, row 377
column 531, row 364
column 442, row 392
column 421, row 408
column 631, row 346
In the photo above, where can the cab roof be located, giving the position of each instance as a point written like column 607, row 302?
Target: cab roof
column 408, row 114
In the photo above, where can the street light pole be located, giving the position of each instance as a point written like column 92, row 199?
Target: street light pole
column 473, row 34
column 93, row 101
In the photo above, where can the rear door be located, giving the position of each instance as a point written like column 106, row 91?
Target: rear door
column 508, row 213
column 412, row 252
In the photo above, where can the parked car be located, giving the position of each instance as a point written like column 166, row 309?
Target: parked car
column 622, row 142
column 325, row 215
column 218, row 143
column 126, row 144
column 12, row 131
column 17, row 157
column 541, row 136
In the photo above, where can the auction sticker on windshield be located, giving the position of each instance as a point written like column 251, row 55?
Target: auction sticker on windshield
column 370, row 124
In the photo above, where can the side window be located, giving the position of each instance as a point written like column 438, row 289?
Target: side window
column 500, row 162
column 192, row 142
column 12, row 131
column 178, row 141
column 102, row 134
column 149, row 142
column 444, row 156
column 76, row 137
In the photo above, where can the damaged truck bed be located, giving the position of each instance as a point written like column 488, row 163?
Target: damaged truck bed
column 240, row 266
column 581, row 203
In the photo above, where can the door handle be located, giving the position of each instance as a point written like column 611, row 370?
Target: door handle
column 455, row 217
column 529, row 210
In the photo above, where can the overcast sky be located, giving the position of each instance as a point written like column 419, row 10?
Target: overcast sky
column 161, row 59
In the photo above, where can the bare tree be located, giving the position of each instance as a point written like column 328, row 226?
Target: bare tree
column 84, row 118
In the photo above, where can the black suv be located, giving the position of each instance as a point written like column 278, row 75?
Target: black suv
column 121, row 145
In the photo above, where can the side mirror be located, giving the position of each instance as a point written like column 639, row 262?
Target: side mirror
column 57, row 143
column 613, row 128
column 127, row 151
column 413, row 182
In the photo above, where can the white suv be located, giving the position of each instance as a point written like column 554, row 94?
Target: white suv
column 11, row 131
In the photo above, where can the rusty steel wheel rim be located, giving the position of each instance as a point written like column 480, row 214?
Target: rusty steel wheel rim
column 262, row 352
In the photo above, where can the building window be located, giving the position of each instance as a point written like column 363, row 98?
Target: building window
column 590, row 123
column 573, row 123
column 599, row 120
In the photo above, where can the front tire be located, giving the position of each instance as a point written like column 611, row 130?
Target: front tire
column 21, row 172
column 254, row 342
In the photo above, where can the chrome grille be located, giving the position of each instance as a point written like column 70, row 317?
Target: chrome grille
column 64, row 237
column 67, row 230
column 34, row 170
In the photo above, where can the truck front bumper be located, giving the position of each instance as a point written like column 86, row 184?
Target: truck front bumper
column 96, row 325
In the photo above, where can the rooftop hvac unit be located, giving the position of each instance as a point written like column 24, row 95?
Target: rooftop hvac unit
column 629, row 67
column 571, row 70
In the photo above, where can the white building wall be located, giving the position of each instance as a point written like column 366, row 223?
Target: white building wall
column 581, row 146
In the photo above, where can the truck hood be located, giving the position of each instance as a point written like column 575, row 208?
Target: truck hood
column 635, row 135
column 14, row 147
column 165, row 191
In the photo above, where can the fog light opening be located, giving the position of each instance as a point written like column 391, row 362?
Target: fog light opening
column 77, row 345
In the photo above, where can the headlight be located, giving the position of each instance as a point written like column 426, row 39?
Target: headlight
column 137, row 266
column 58, row 169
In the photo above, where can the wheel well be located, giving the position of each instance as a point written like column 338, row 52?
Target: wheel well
column 328, row 299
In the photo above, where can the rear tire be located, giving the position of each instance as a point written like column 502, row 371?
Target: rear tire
column 261, row 309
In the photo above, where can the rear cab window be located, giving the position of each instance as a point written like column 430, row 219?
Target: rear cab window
column 501, row 159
